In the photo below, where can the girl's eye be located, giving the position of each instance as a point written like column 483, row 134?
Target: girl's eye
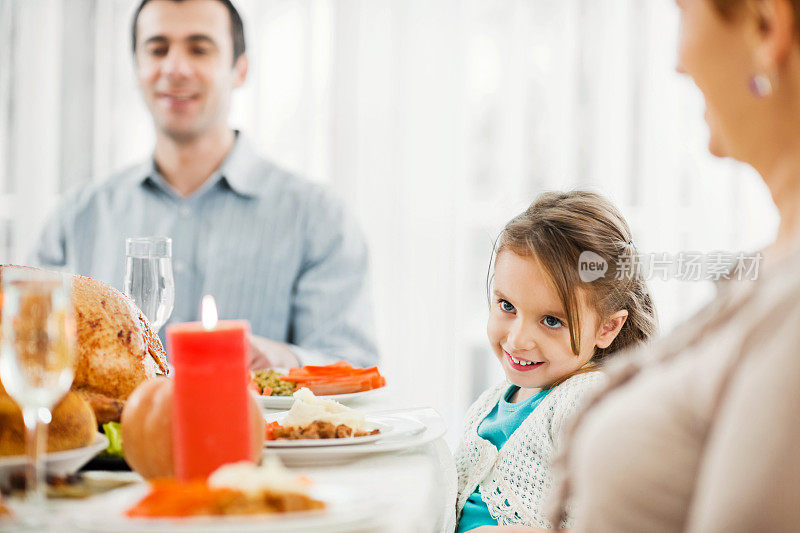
column 552, row 322
column 158, row 52
column 506, row 306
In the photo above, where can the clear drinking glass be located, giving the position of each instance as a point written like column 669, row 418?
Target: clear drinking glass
column 37, row 361
column 148, row 277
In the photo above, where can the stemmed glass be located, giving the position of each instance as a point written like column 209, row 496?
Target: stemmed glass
column 37, row 361
column 148, row 277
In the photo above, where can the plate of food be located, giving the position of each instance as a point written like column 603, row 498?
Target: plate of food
column 72, row 437
column 410, row 428
column 238, row 497
column 319, row 421
column 339, row 381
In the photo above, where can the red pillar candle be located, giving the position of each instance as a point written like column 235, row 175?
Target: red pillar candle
column 210, row 413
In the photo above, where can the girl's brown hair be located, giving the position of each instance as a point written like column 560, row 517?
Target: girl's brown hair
column 556, row 229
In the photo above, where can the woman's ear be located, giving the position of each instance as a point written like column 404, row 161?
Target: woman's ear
column 610, row 329
column 775, row 27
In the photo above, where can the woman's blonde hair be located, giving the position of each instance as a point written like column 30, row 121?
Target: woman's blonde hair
column 729, row 8
column 556, row 229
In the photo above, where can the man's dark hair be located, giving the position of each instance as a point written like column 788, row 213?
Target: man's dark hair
column 237, row 26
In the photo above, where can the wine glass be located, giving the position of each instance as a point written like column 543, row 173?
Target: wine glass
column 37, row 360
column 148, row 277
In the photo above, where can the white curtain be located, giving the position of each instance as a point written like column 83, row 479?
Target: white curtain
column 436, row 120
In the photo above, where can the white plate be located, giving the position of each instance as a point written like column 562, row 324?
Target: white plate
column 57, row 463
column 410, row 428
column 285, row 402
column 346, row 510
column 321, row 443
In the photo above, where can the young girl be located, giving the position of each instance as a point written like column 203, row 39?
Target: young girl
column 550, row 325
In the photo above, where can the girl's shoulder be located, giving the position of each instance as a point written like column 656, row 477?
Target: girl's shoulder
column 573, row 392
column 582, row 383
column 569, row 397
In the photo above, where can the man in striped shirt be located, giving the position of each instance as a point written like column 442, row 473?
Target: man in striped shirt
column 274, row 249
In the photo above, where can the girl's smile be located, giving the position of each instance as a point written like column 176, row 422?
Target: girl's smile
column 521, row 364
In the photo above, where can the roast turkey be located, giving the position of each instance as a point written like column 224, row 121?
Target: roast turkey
column 116, row 348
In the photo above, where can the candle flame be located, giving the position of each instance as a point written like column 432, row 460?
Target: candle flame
column 208, row 312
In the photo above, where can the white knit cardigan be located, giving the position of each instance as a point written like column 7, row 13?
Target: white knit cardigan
column 515, row 481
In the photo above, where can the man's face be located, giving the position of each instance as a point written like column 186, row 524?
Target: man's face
column 184, row 65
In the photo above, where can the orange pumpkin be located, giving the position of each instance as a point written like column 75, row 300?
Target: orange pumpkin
column 147, row 429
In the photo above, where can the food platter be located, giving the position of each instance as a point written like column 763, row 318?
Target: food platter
column 346, row 510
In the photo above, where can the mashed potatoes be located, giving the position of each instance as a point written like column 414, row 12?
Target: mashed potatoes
column 308, row 408
column 251, row 479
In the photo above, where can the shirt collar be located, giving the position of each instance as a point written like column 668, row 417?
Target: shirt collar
column 239, row 170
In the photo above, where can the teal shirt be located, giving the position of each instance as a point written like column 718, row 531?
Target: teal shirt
column 497, row 427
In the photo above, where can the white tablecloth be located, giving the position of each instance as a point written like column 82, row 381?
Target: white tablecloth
column 416, row 488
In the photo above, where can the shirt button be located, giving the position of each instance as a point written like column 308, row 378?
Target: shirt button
column 185, row 211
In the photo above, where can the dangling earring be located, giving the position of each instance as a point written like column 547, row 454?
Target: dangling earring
column 760, row 85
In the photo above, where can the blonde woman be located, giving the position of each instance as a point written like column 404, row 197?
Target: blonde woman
column 701, row 435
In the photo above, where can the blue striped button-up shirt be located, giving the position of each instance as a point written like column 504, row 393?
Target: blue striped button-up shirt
column 274, row 249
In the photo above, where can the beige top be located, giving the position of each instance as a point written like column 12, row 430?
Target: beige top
column 700, row 431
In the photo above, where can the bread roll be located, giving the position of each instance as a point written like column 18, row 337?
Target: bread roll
column 73, row 425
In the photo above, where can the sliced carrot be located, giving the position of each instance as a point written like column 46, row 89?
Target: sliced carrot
column 341, row 366
column 337, row 378
column 269, row 433
column 323, row 389
column 377, row 381
column 172, row 498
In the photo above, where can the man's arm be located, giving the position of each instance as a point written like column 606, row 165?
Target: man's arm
column 332, row 308
column 266, row 353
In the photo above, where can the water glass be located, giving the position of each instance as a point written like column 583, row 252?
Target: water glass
column 148, row 277
column 37, row 361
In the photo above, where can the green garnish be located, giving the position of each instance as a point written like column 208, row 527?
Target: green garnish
column 113, row 432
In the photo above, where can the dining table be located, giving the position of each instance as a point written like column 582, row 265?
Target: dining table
column 406, row 487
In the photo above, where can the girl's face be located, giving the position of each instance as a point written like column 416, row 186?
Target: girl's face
column 718, row 55
column 527, row 325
